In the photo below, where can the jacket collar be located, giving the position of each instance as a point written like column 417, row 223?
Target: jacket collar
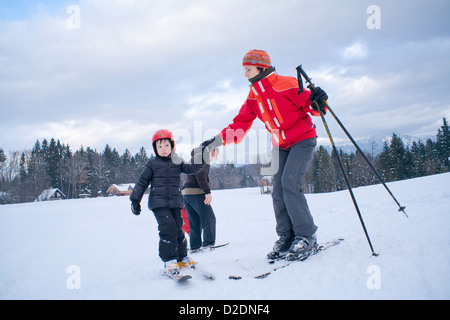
column 262, row 75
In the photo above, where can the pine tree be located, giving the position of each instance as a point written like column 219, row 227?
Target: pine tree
column 247, row 179
column 431, row 156
column 398, row 158
column 347, row 161
column 109, row 173
column 37, row 169
column 443, row 146
column 78, row 172
column 362, row 173
column 126, row 169
column 93, row 172
column 385, row 162
column 65, row 176
column 2, row 156
column 52, row 158
column 141, row 159
column 22, row 190
column 323, row 175
column 418, row 158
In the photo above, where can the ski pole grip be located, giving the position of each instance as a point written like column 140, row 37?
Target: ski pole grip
column 303, row 73
column 300, row 81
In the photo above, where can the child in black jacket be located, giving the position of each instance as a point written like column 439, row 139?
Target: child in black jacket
column 165, row 200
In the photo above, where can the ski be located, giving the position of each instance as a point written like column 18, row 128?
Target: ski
column 203, row 273
column 209, row 248
column 321, row 248
column 178, row 277
column 220, row 245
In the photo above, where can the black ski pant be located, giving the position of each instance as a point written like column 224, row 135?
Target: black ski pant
column 172, row 243
column 292, row 213
column 201, row 221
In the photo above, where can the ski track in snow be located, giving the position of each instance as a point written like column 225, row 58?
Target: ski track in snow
column 117, row 252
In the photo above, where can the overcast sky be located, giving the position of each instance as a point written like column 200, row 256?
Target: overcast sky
column 97, row 72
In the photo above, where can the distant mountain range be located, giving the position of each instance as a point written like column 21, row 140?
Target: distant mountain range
column 372, row 145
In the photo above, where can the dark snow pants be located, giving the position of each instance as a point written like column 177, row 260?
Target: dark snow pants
column 172, row 243
column 201, row 221
column 292, row 214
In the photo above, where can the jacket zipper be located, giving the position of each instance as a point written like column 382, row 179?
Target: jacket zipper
column 167, row 181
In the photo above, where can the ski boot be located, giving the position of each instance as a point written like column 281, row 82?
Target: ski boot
column 171, row 267
column 302, row 248
column 186, row 263
column 280, row 248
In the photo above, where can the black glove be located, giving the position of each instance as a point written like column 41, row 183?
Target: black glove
column 318, row 98
column 135, row 207
column 212, row 143
column 201, row 153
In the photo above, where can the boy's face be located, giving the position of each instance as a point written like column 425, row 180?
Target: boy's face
column 163, row 147
column 251, row 71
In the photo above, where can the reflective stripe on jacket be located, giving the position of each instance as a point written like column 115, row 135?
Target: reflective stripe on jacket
column 274, row 100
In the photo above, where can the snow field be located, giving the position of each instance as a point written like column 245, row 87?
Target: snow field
column 97, row 249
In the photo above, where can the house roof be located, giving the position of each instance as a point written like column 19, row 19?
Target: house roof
column 48, row 193
column 122, row 187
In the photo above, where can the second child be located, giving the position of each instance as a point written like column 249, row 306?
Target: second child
column 197, row 199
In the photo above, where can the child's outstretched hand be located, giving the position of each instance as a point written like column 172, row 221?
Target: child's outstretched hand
column 208, row 199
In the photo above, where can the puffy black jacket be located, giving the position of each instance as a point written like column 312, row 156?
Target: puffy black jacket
column 164, row 176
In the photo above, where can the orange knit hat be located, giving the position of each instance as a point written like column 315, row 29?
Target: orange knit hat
column 258, row 58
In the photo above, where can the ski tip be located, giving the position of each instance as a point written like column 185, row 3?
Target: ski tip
column 235, row 277
column 183, row 278
column 178, row 278
column 220, row 245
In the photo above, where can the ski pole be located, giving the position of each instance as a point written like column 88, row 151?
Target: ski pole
column 300, row 70
column 401, row 208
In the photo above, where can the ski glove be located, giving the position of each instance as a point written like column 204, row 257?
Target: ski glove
column 212, row 143
column 201, row 153
column 318, row 98
column 135, row 207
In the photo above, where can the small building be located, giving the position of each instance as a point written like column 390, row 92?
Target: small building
column 85, row 193
column 51, row 194
column 266, row 184
column 124, row 189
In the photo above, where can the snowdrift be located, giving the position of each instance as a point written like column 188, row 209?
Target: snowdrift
column 97, row 249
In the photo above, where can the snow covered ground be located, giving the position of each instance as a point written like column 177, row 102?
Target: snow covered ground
column 97, row 249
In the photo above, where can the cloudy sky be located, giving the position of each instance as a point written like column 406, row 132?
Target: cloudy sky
column 97, row 72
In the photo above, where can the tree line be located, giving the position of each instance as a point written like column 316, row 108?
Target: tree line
column 396, row 161
column 52, row 164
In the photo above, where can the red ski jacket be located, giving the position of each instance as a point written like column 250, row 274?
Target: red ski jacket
column 274, row 100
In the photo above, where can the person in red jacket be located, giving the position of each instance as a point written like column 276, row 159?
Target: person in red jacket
column 277, row 102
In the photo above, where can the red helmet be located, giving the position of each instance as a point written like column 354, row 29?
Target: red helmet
column 162, row 134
